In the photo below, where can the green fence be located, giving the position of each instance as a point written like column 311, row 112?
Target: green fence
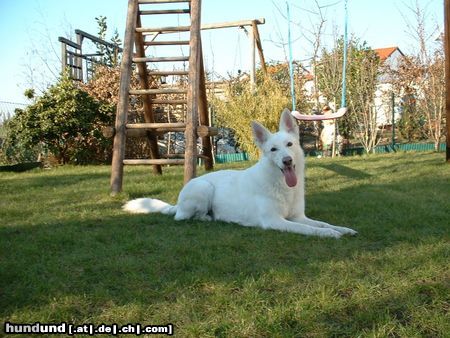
column 237, row 157
column 398, row 147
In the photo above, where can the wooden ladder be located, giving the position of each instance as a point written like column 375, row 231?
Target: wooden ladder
column 197, row 119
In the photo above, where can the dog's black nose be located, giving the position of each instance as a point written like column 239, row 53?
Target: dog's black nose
column 287, row 160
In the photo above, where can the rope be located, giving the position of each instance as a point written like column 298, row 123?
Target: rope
column 291, row 67
column 344, row 60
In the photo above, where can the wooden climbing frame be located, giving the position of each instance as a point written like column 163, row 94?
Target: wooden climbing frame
column 196, row 123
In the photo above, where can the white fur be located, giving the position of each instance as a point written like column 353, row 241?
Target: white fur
column 258, row 196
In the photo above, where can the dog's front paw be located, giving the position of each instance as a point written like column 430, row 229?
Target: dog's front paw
column 345, row 231
column 329, row 233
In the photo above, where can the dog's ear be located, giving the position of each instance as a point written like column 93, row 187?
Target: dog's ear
column 260, row 134
column 287, row 122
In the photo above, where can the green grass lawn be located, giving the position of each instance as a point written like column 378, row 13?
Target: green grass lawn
column 69, row 254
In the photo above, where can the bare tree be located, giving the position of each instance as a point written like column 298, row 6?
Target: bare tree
column 433, row 100
column 314, row 36
column 421, row 76
column 362, row 84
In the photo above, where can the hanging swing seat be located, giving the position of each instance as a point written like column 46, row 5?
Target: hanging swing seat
column 306, row 117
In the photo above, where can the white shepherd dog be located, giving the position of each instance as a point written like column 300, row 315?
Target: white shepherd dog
column 270, row 194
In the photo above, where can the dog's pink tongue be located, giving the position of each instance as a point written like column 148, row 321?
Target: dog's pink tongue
column 290, row 177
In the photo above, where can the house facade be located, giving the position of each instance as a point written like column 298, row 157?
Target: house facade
column 389, row 57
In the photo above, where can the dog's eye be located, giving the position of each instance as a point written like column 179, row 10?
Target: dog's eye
column 289, row 144
column 273, row 149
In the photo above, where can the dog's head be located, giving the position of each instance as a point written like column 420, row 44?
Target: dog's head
column 282, row 148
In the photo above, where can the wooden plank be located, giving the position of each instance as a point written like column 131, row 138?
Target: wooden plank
column 202, row 131
column 190, row 165
column 161, row 59
column 165, row 11
column 159, row 161
column 180, row 156
column 259, row 47
column 204, row 116
column 251, row 37
column 155, row 125
column 174, row 102
column 63, row 56
column 166, row 43
column 158, row 91
column 148, row 107
column 168, row 72
column 230, row 24
column 123, row 104
column 93, row 38
column 163, row 29
column 79, row 60
column 447, row 75
column 69, row 42
column 144, row 2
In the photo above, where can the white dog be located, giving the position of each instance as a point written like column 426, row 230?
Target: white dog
column 270, row 194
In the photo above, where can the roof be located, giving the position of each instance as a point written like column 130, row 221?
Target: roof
column 384, row 53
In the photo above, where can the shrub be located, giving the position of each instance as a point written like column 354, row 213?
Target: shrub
column 66, row 122
column 243, row 105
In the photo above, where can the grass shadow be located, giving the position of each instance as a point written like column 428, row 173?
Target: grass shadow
column 344, row 170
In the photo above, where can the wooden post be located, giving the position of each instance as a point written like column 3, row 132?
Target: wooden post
column 259, row 46
column 190, row 165
column 123, row 104
column 252, row 58
column 447, row 74
column 148, row 108
column 79, row 59
column 63, row 56
column 204, row 116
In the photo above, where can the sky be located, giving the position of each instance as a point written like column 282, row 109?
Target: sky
column 29, row 30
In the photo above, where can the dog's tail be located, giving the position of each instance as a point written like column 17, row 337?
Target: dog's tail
column 149, row 205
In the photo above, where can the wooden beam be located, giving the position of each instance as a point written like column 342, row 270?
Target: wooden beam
column 447, row 75
column 230, row 24
column 97, row 39
column 219, row 25
column 166, row 11
column 158, row 91
column 155, row 125
column 143, row 2
column 63, row 56
column 167, row 43
column 69, row 42
column 259, row 46
column 169, row 101
column 159, row 162
column 78, row 59
column 163, row 29
column 190, row 165
column 161, row 59
column 251, row 37
column 168, row 72
column 204, row 115
column 202, row 131
column 123, row 104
